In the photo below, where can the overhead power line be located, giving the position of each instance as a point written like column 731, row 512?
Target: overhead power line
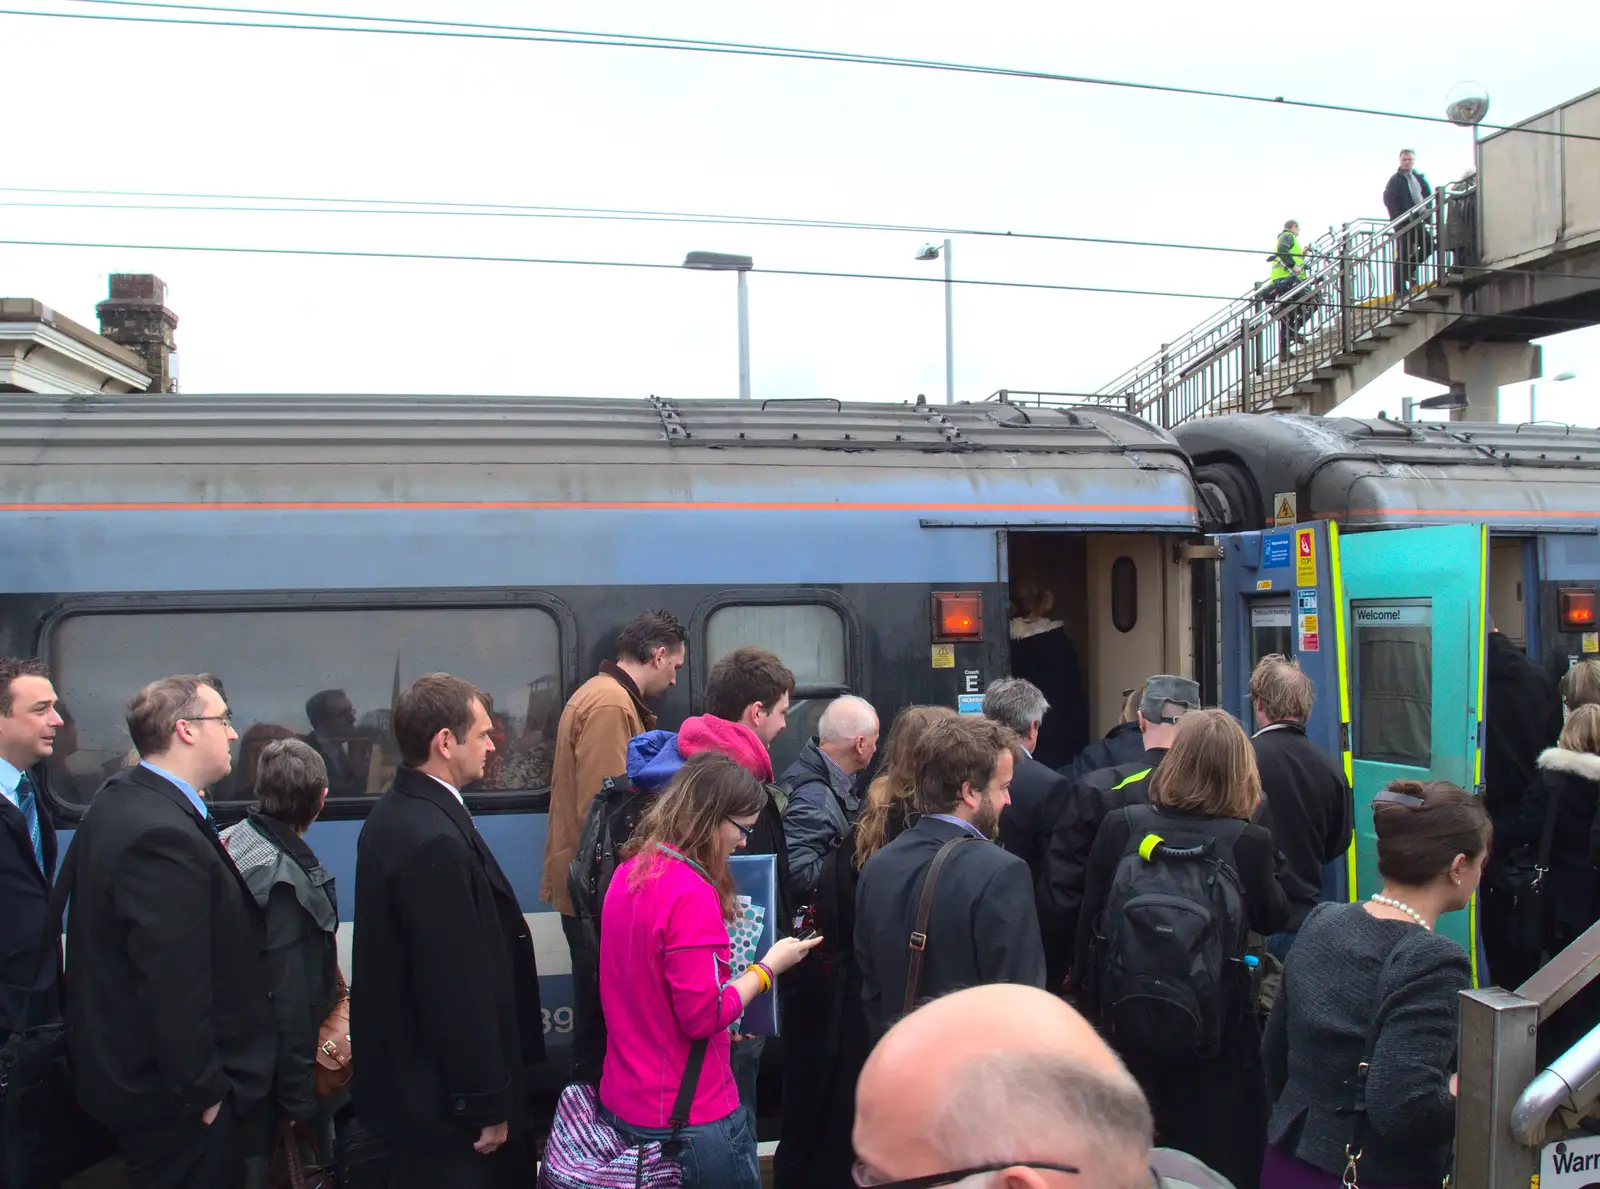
column 274, row 204
column 971, row 282
column 287, row 19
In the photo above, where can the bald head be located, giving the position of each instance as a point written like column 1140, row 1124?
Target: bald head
column 848, row 732
column 999, row 1073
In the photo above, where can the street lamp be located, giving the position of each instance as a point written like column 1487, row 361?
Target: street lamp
column 933, row 252
column 1533, row 392
column 723, row 262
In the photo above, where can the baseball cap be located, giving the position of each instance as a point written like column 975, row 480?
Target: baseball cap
column 1164, row 688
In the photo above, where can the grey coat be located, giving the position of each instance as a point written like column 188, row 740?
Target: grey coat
column 822, row 807
column 298, row 895
column 1317, row 1033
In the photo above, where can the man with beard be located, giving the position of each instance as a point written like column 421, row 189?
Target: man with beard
column 941, row 907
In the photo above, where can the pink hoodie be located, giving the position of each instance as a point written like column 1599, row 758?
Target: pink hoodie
column 732, row 739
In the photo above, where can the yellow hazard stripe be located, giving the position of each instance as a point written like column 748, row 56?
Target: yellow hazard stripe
column 1481, row 644
column 1344, row 693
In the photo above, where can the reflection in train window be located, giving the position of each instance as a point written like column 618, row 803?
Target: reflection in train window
column 1393, row 652
column 810, row 639
column 329, row 677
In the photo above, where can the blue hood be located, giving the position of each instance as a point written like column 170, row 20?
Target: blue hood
column 653, row 759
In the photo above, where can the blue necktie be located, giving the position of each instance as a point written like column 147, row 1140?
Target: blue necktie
column 29, row 804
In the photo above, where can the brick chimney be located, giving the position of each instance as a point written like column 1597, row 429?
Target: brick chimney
column 136, row 316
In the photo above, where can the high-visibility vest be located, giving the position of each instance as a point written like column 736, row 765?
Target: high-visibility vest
column 1296, row 253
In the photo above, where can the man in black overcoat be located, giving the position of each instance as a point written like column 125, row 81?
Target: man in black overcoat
column 173, row 1037
column 444, row 1010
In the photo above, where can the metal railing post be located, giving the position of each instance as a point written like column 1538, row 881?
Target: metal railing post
column 1166, row 412
column 1496, row 1061
column 1347, row 290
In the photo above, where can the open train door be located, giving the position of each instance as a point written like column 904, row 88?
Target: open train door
column 1390, row 627
column 1414, row 603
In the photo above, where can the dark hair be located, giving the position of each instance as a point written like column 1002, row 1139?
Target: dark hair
column 1423, row 825
column 12, row 667
column 709, row 789
column 649, row 631
column 290, row 780
column 958, row 751
column 744, row 677
column 430, row 704
column 317, row 705
column 157, row 709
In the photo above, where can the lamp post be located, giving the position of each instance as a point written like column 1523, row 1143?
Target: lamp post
column 723, row 262
column 1533, row 392
column 933, row 252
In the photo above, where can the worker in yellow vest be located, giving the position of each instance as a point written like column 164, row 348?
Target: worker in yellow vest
column 1288, row 262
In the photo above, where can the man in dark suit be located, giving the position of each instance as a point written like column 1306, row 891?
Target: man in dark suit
column 445, row 994
column 982, row 926
column 170, row 1015
column 28, row 723
column 1038, row 793
column 1406, row 190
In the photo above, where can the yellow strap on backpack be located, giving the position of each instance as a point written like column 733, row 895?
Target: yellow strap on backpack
column 1148, row 846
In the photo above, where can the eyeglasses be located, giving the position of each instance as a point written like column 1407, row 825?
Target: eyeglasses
column 745, row 830
column 860, row 1176
column 225, row 718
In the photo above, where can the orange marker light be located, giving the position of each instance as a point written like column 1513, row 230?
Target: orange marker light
column 1577, row 610
column 957, row 615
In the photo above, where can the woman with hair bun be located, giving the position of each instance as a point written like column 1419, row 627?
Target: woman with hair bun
column 1373, row 985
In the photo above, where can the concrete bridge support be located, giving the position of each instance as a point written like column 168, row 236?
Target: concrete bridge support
column 1476, row 370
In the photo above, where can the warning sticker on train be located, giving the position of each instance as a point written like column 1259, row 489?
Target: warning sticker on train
column 1305, row 557
column 944, row 656
column 1283, row 509
column 1570, row 1164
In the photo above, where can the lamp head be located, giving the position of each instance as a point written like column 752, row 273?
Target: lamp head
column 928, row 252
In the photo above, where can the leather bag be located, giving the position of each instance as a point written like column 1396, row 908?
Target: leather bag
column 334, row 1068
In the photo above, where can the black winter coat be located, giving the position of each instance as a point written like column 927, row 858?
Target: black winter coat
column 169, row 1012
column 983, row 927
column 1523, row 717
column 1042, row 653
column 24, row 900
column 1308, row 808
column 1122, row 744
column 444, row 1008
column 1397, row 193
column 1214, row 1110
column 1066, row 862
column 1038, row 795
column 298, row 896
column 1572, row 779
column 822, row 807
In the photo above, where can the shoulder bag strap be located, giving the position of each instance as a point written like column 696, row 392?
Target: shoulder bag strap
column 1548, row 836
column 1358, row 1105
column 686, row 1088
column 918, row 942
column 49, row 941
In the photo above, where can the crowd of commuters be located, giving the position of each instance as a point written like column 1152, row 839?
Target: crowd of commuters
column 935, row 932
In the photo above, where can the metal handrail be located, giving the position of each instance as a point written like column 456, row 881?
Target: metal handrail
column 1244, row 357
column 1571, row 1080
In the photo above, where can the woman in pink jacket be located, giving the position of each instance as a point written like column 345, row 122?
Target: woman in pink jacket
column 665, row 979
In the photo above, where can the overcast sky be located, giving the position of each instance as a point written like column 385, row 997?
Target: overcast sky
column 143, row 107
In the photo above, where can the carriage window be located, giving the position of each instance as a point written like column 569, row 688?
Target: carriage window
column 1394, row 682
column 1269, row 631
column 810, row 639
column 327, row 677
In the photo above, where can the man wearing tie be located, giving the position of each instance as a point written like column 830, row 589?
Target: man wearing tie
column 28, row 722
column 173, row 1034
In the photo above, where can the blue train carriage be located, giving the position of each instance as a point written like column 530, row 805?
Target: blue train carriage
column 319, row 552
column 1376, row 552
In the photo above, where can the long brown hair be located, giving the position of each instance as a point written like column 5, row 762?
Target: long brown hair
column 688, row 815
column 897, row 780
column 1210, row 769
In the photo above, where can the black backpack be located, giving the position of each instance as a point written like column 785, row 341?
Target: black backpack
column 613, row 816
column 1170, row 945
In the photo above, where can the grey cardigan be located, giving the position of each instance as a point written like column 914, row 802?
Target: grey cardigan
column 1317, row 1033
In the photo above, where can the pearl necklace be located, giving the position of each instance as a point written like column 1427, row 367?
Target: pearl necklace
column 1388, row 902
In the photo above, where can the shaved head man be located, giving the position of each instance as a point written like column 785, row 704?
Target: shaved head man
column 1001, row 1083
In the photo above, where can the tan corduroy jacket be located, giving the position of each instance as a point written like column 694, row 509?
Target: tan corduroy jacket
column 591, row 744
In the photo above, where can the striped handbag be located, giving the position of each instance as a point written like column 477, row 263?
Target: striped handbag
column 586, row 1152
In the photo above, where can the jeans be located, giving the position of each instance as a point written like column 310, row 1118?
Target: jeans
column 720, row 1155
column 745, row 1057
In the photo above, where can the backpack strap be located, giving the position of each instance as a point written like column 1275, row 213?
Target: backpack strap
column 918, row 942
